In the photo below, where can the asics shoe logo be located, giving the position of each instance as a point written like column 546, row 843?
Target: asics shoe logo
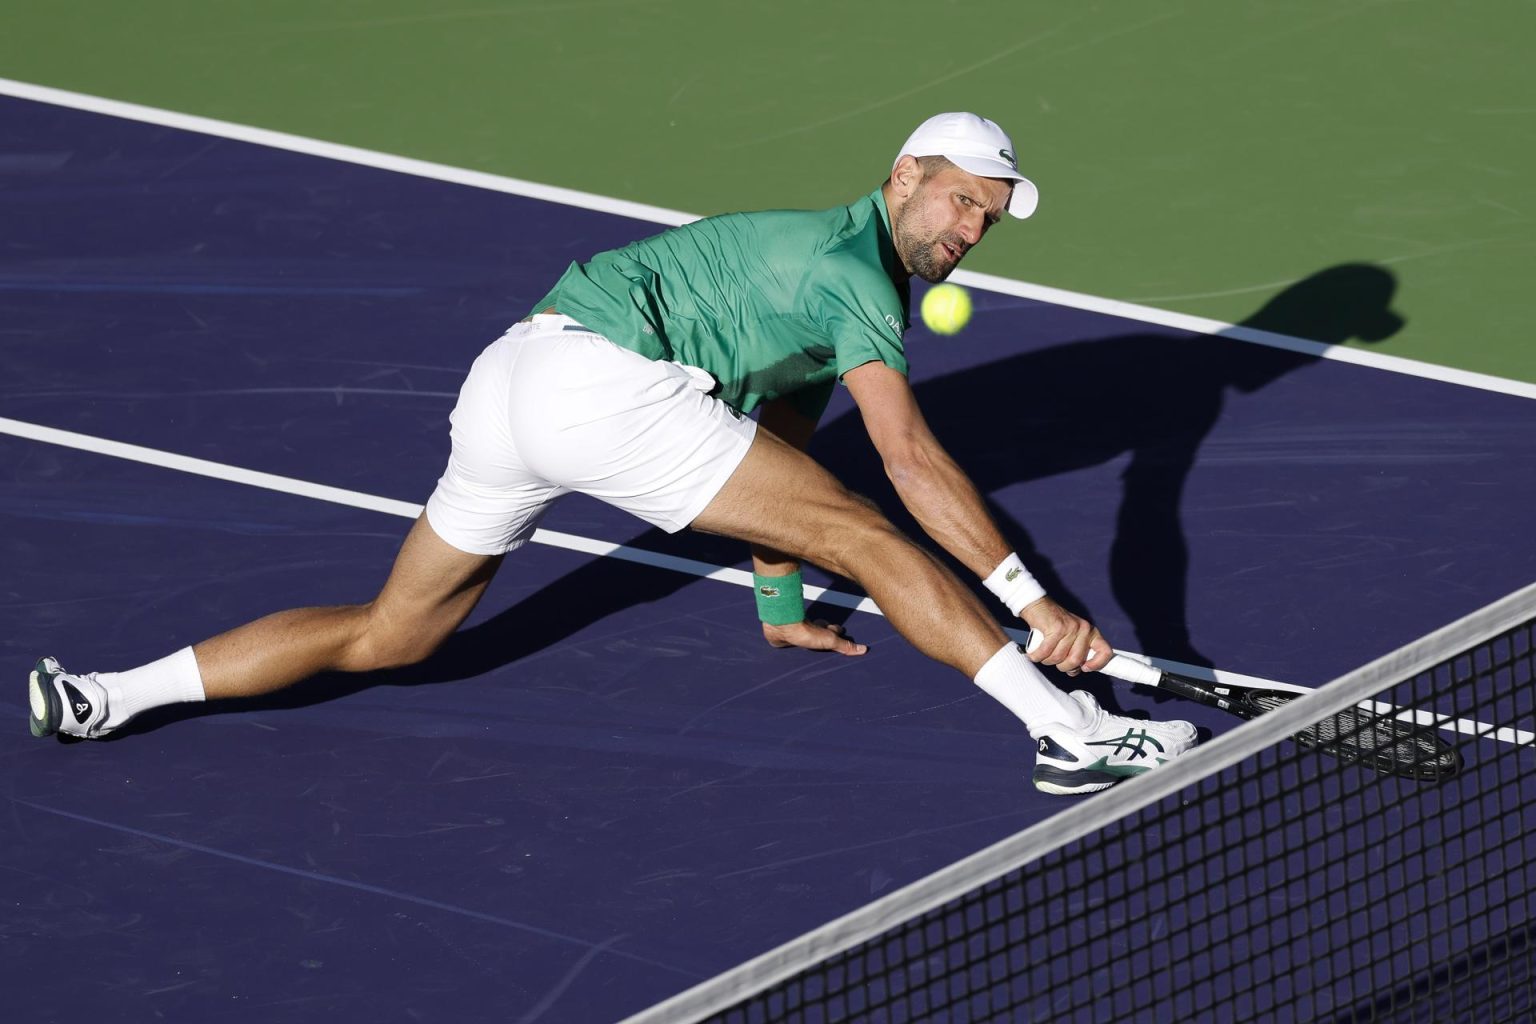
column 1132, row 745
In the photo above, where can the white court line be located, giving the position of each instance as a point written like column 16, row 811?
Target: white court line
column 391, row 506
column 660, row 215
column 607, row 549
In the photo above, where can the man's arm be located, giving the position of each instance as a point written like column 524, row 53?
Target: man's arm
column 942, row 498
column 782, row 417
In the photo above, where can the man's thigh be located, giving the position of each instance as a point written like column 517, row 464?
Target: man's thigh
column 781, row 498
column 432, row 586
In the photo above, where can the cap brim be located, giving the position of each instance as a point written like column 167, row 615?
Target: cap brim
column 1025, row 195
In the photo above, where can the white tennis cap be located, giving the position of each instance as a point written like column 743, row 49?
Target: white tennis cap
column 974, row 144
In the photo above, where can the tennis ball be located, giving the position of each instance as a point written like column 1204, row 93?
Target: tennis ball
column 946, row 308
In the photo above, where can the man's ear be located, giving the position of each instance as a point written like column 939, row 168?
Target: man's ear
column 905, row 176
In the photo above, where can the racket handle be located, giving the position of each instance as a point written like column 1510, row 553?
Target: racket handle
column 1121, row 666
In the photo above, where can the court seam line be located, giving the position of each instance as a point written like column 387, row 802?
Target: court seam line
column 592, row 948
column 609, row 549
column 660, row 215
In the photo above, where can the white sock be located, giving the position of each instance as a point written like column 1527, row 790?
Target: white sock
column 171, row 680
column 1011, row 678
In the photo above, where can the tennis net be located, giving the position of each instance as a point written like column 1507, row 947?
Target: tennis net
column 1253, row 879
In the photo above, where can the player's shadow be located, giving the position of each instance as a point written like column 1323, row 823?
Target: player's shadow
column 594, row 591
column 1027, row 417
column 1151, row 396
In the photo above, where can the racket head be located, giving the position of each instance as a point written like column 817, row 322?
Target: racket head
column 1385, row 744
column 1382, row 743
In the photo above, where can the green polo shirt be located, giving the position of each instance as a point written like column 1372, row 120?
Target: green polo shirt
column 782, row 302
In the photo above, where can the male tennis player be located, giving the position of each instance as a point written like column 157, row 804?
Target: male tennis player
column 631, row 381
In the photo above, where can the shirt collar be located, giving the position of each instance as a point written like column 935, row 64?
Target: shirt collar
column 888, row 258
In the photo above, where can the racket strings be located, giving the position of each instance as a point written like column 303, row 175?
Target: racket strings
column 1385, row 744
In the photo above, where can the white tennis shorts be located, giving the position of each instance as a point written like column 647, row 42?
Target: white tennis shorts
column 551, row 407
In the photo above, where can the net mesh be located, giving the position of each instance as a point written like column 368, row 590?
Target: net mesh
column 1365, row 736
column 1287, row 886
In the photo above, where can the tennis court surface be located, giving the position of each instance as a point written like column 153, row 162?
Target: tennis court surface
column 231, row 366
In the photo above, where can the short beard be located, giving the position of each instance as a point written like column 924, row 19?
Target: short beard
column 918, row 256
column 926, row 266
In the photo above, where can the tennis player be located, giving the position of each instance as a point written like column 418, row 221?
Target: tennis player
column 631, row 381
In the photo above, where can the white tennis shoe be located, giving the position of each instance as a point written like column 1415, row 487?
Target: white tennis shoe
column 1108, row 749
column 62, row 703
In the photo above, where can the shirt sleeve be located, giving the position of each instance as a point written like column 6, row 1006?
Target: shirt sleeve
column 864, row 319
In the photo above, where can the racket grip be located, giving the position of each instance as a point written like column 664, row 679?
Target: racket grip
column 1121, row 666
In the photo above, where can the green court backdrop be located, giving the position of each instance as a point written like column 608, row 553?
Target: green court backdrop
column 1193, row 155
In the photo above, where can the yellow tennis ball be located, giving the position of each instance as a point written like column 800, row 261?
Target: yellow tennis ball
column 946, row 308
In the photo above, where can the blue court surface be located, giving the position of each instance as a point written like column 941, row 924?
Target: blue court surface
column 606, row 788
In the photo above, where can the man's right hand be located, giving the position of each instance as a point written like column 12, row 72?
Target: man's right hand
column 1067, row 639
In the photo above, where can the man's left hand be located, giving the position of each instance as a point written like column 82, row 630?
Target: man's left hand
column 813, row 636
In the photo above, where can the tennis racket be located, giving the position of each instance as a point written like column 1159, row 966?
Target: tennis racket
column 1385, row 744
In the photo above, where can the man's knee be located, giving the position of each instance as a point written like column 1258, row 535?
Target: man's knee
column 851, row 535
column 868, row 503
column 386, row 642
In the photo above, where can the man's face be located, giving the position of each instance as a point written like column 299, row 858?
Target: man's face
column 945, row 214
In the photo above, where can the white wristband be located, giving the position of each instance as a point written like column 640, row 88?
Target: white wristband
column 1012, row 584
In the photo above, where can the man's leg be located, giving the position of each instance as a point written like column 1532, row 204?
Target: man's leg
column 430, row 590
column 781, row 498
